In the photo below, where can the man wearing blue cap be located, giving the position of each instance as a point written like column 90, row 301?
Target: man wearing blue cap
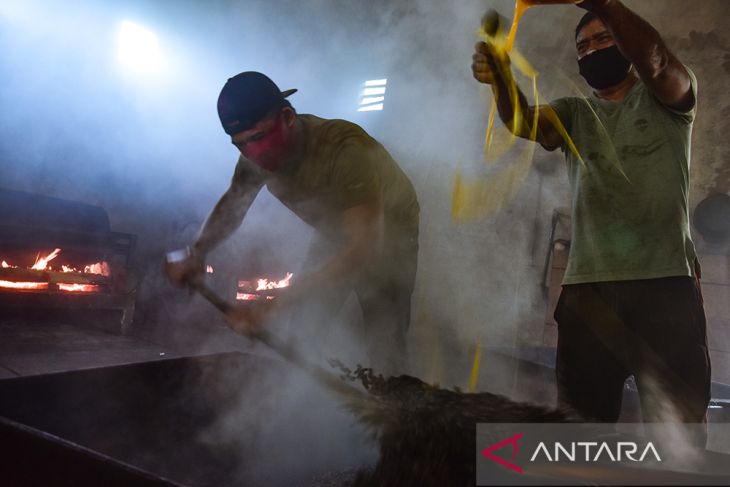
column 342, row 182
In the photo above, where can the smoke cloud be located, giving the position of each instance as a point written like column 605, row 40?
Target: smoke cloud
column 150, row 150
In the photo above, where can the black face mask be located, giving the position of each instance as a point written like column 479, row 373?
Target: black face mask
column 604, row 68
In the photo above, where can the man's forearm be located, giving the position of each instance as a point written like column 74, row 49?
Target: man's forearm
column 364, row 233
column 225, row 218
column 338, row 271
column 637, row 39
column 506, row 106
column 659, row 69
column 546, row 134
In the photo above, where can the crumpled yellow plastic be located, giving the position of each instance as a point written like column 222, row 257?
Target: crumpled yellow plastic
column 477, row 197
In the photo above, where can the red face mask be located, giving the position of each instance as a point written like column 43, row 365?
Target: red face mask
column 269, row 151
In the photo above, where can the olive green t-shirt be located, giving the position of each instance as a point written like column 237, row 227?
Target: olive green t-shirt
column 340, row 166
column 629, row 204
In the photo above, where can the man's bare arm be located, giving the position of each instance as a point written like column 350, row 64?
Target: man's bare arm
column 363, row 239
column 494, row 69
column 226, row 216
column 658, row 68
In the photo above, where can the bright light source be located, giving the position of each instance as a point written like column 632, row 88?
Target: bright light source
column 138, row 49
column 371, row 108
column 370, row 101
column 373, row 91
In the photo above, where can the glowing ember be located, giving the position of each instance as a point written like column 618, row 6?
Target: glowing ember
column 78, row 288
column 264, row 284
column 250, row 297
column 23, row 285
column 42, row 262
column 100, row 268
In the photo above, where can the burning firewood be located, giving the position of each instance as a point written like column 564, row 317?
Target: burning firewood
column 426, row 434
column 49, row 276
column 40, row 276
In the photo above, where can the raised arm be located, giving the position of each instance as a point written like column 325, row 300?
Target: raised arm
column 640, row 43
column 493, row 68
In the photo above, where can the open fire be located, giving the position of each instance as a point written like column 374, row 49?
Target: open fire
column 58, row 256
column 261, row 288
column 43, row 276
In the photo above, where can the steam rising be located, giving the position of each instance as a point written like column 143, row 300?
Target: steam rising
column 150, row 150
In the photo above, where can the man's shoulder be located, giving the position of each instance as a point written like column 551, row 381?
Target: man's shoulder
column 247, row 172
column 334, row 130
column 571, row 102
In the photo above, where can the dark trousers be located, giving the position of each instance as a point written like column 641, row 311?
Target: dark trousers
column 386, row 312
column 654, row 329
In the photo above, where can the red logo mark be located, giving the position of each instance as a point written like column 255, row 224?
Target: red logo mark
column 487, row 452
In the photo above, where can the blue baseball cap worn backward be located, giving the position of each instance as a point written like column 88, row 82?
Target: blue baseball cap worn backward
column 246, row 99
